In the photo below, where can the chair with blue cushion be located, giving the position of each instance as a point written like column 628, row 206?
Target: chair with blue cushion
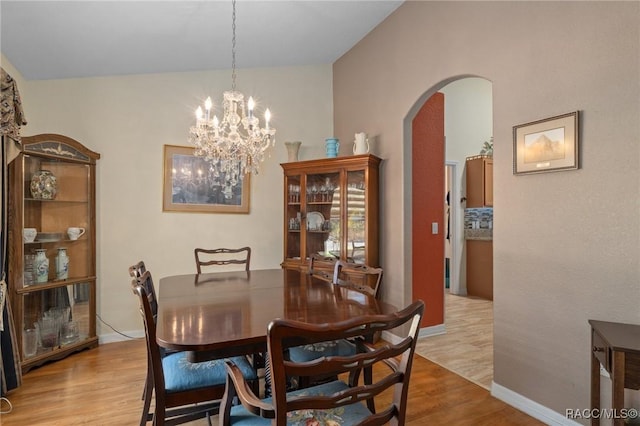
column 338, row 402
column 136, row 271
column 361, row 278
column 184, row 391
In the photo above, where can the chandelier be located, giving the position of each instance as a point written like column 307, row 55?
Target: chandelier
column 237, row 144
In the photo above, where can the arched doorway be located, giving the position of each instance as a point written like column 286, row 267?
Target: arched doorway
column 429, row 151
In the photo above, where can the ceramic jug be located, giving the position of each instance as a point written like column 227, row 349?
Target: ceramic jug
column 333, row 146
column 361, row 144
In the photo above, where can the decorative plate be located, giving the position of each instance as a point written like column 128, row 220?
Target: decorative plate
column 46, row 237
column 315, row 221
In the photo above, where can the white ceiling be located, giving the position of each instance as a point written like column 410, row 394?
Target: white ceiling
column 69, row 39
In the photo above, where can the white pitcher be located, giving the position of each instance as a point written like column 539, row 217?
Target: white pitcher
column 360, row 144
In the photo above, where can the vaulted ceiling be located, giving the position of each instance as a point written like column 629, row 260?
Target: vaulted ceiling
column 71, row 39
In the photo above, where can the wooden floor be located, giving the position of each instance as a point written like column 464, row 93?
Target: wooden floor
column 467, row 346
column 102, row 386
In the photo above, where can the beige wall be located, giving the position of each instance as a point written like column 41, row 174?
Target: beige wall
column 128, row 120
column 566, row 245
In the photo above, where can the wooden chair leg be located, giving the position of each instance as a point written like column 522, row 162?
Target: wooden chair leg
column 147, row 393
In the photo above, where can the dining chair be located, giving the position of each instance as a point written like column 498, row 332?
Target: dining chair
column 184, row 391
column 340, row 401
column 222, row 256
column 322, row 266
column 358, row 276
column 136, row 271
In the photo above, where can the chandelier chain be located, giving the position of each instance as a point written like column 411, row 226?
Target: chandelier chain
column 236, row 144
column 233, row 46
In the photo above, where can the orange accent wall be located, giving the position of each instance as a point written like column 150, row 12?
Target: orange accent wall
column 428, row 158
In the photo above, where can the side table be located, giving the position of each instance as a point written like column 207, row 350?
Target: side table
column 617, row 347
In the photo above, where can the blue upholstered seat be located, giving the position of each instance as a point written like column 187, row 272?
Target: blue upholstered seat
column 180, row 374
column 335, row 402
column 346, row 415
column 310, row 352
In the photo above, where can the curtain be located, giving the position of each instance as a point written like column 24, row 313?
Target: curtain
column 11, row 120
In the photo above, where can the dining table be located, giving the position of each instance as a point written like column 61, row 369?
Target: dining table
column 223, row 314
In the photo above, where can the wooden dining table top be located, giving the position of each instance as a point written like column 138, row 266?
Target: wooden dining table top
column 227, row 313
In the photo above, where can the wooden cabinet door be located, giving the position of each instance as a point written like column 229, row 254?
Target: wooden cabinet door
column 479, row 182
column 488, row 182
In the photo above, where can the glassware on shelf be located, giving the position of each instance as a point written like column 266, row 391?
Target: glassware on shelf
column 49, row 332
column 294, row 193
column 69, row 333
column 29, row 272
column 30, row 342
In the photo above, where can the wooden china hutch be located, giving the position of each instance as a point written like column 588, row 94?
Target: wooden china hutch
column 52, row 193
column 331, row 208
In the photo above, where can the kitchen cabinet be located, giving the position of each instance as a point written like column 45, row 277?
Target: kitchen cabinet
column 52, row 278
column 479, row 181
column 331, row 208
column 480, row 268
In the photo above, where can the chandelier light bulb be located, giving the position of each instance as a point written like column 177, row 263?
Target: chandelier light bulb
column 199, row 113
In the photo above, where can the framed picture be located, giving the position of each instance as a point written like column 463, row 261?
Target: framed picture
column 193, row 184
column 546, row 145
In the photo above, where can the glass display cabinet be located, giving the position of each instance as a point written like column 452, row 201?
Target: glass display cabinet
column 52, row 248
column 331, row 209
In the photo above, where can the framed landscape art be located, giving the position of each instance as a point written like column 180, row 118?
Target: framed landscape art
column 546, row 145
column 193, row 184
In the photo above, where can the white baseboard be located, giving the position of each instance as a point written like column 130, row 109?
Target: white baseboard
column 532, row 408
column 426, row 331
column 115, row 337
column 433, row 330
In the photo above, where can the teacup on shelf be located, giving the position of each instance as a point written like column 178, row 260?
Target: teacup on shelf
column 75, row 232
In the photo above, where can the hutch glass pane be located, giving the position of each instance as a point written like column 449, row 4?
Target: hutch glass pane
column 323, row 214
column 294, row 217
column 356, row 216
column 55, row 317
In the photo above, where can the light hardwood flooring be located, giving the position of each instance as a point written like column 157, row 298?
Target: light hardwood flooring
column 467, row 347
column 102, row 386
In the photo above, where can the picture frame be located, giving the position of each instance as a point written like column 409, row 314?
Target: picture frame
column 550, row 144
column 192, row 184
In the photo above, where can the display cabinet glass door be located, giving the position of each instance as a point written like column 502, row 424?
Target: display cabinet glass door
column 55, row 318
column 293, row 217
column 323, row 214
column 356, row 216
